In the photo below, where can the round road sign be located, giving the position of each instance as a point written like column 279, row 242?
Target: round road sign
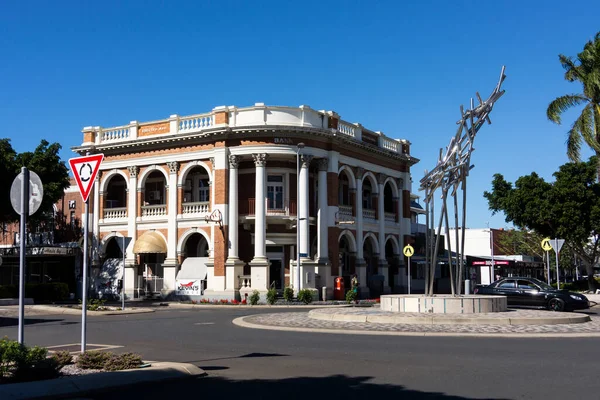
column 546, row 244
column 408, row 251
column 36, row 193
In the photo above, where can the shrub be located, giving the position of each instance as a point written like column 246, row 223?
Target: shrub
column 95, row 304
column 254, row 297
column 18, row 363
column 62, row 357
column 93, row 359
column 47, row 292
column 305, row 296
column 9, row 292
column 118, row 362
column 271, row 296
column 288, row 294
column 351, row 296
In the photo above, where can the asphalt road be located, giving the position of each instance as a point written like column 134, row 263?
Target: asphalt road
column 252, row 364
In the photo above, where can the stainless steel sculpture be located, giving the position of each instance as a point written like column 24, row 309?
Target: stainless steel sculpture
column 451, row 172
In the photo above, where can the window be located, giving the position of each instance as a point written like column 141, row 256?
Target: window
column 203, row 190
column 526, row 285
column 367, row 196
column 275, row 192
column 507, row 284
column 343, row 191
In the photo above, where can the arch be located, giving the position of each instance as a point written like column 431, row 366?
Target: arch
column 107, row 176
column 184, row 237
column 393, row 184
column 350, row 237
column 374, row 242
column 106, row 239
column 184, row 171
column 351, row 176
column 392, row 239
column 147, row 172
column 371, row 177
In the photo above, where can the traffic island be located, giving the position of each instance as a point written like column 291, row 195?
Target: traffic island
column 510, row 317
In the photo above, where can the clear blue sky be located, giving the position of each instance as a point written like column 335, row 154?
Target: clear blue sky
column 395, row 67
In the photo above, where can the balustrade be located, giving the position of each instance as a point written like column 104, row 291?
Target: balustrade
column 119, row 133
column 195, row 122
column 201, row 207
column 115, row 213
column 369, row 214
column 154, row 210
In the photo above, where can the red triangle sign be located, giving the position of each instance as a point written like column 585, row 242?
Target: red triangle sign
column 85, row 170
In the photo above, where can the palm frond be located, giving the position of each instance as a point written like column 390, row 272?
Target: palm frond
column 572, row 72
column 588, row 129
column 562, row 104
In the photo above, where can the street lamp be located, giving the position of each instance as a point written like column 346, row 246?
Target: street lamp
column 300, row 146
column 492, row 251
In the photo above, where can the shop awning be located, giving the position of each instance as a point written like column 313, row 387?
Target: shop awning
column 193, row 268
column 150, row 242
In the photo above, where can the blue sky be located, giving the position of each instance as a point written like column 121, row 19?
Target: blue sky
column 402, row 68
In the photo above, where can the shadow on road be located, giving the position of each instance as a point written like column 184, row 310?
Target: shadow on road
column 9, row 321
column 302, row 388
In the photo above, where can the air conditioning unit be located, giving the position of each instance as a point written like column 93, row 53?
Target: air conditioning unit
column 154, row 195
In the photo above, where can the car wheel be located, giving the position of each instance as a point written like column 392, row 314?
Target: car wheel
column 556, row 305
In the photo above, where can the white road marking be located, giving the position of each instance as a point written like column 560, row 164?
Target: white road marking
column 204, row 323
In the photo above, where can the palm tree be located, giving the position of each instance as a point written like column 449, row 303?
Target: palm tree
column 586, row 70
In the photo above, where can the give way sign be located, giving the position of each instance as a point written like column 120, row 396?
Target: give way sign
column 85, row 170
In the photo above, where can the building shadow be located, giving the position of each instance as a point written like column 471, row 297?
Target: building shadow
column 301, row 388
column 11, row 321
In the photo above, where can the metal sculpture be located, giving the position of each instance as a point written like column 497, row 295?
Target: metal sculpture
column 449, row 174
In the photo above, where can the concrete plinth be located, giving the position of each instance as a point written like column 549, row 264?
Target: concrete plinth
column 443, row 304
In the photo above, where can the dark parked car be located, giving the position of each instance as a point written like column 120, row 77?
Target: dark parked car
column 532, row 292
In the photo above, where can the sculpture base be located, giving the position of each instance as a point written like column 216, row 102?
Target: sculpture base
column 443, row 304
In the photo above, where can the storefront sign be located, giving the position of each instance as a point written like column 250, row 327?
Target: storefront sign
column 489, row 262
column 153, row 129
column 189, row 287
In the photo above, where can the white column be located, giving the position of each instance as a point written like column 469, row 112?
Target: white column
column 381, row 217
column 361, row 269
column 260, row 226
column 130, row 270
column 359, row 214
column 383, row 265
column 322, row 220
column 172, row 215
column 233, row 207
column 305, row 160
column 95, row 218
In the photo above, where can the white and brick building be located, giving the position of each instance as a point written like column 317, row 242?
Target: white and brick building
column 159, row 180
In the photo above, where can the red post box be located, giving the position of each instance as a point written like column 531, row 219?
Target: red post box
column 339, row 291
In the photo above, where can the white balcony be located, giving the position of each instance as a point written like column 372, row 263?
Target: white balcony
column 111, row 214
column 154, row 211
column 196, row 208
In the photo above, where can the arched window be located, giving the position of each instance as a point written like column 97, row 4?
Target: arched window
column 367, row 196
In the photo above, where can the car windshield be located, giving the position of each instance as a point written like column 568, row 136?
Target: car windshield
column 542, row 284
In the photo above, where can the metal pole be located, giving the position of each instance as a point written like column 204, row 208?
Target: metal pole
column 297, row 220
column 409, row 275
column 492, row 240
column 548, row 266
column 123, row 279
column 557, row 269
column 85, row 277
column 23, row 249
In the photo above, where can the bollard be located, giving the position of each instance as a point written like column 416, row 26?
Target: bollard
column 467, row 286
column 324, row 293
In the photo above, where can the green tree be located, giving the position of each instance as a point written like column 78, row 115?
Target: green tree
column 585, row 70
column 46, row 163
column 568, row 208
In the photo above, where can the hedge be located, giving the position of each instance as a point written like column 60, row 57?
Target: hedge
column 40, row 292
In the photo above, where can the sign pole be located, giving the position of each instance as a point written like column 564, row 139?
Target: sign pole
column 84, row 284
column 409, row 275
column 23, row 249
column 548, row 265
column 557, row 269
column 123, row 279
